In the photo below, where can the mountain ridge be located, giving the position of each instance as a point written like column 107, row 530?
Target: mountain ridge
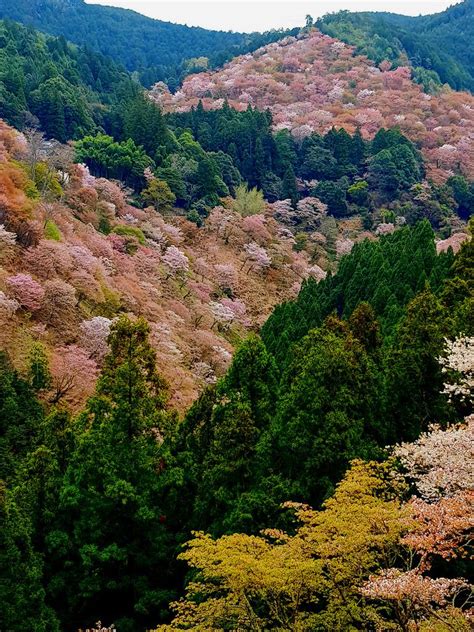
column 439, row 42
column 158, row 50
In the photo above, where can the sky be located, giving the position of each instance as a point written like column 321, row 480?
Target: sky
column 262, row 15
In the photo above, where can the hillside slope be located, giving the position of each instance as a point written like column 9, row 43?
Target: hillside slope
column 64, row 277
column 441, row 42
column 314, row 82
column 49, row 82
column 153, row 47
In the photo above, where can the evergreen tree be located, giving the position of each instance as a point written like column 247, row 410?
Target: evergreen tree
column 327, row 411
column 243, row 408
column 289, row 188
column 415, row 378
column 112, row 495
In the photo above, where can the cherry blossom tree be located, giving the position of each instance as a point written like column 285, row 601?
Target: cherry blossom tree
column 344, row 246
column 238, row 308
column 316, row 272
column 202, row 291
column 283, row 211
column 385, row 229
column 256, row 227
column 24, row 289
column 440, row 462
column 58, row 308
column 224, row 222
column 310, row 212
column 458, row 365
column 415, row 593
column 175, row 261
column 222, row 314
column 455, row 242
column 8, row 306
column 226, row 276
column 257, row 257
column 74, row 374
column 93, row 336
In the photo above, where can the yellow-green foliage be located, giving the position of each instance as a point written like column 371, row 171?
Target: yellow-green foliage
column 28, row 185
column 248, row 201
column 46, row 181
column 110, row 307
column 51, row 231
column 302, row 582
column 130, row 231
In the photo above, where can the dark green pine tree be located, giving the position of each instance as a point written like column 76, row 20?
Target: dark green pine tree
column 415, row 380
column 116, row 542
column 20, row 418
column 244, row 406
column 289, row 188
column 327, row 411
column 22, row 596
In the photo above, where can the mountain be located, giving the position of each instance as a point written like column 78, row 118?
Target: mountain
column 158, row 50
column 313, row 82
column 78, row 238
column 439, row 43
column 66, row 89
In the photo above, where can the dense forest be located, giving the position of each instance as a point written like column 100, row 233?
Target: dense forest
column 47, row 82
column 437, row 46
column 203, row 155
column 95, row 507
column 236, row 327
column 313, row 82
column 156, row 50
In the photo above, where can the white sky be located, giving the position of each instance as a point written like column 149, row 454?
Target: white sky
column 248, row 15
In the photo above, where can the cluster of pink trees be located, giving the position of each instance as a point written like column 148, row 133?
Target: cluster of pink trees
column 26, row 291
column 65, row 289
column 175, row 261
column 315, row 82
column 440, row 518
column 256, row 257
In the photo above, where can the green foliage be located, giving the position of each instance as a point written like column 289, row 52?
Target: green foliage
column 38, row 368
column 51, row 231
column 437, row 46
column 107, row 158
column 159, row 195
column 225, row 456
column 352, row 175
column 111, row 498
column 415, row 377
column 22, row 594
column 463, row 194
column 47, row 78
column 46, row 181
column 20, row 416
column 248, row 202
column 94, row 508
column 327, row 411
column 155, row 50
column 387, row 274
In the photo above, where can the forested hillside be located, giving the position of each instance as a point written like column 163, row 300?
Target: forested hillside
column 236, row 337
column 90, row 389
column 158, row 51
column 437, row 46
column 64, row 89
column 313, row 83
column 76, row 254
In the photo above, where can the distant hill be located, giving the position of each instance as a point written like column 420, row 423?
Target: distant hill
column 314, row 82
column 67, row 89
column 440, row 43
column 159, row 51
